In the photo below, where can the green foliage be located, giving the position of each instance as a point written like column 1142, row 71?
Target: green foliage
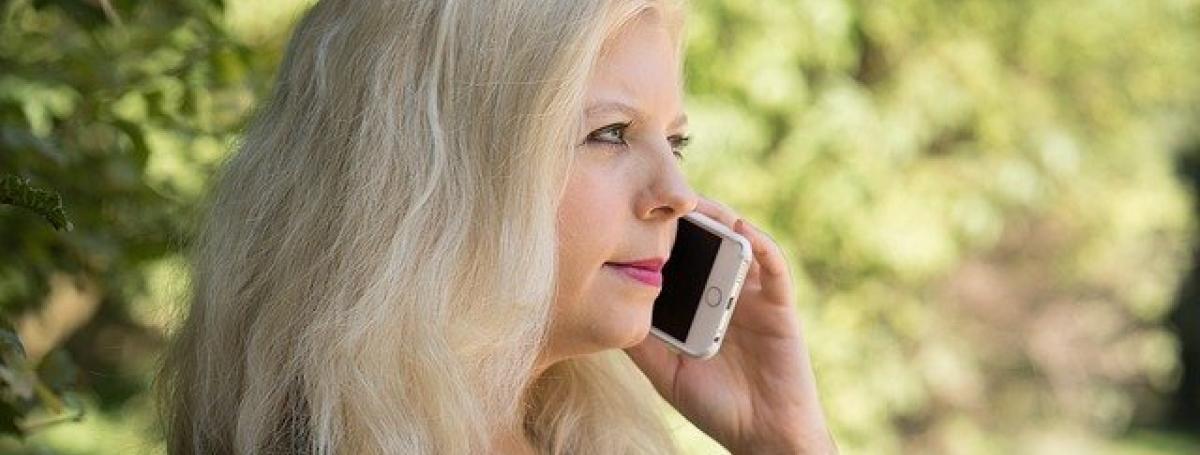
column 124, row 121
column 124, row 109
column 33, row 398
column 23, row 393
column 977, row 198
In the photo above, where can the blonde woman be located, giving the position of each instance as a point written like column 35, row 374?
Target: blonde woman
column 416, row 248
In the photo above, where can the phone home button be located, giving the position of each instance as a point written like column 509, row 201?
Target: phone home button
column 713, row 296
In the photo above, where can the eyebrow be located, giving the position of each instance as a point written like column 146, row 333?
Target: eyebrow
column 617, row 106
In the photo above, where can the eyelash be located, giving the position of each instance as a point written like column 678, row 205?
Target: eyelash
column 678, row 142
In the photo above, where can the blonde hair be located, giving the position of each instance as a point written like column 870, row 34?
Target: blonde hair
column 375, row 271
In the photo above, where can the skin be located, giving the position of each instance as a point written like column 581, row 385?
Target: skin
column 625, row 195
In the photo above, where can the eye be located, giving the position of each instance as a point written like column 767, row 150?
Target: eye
column 614, row 134
column 610, row 134
column 678, row 143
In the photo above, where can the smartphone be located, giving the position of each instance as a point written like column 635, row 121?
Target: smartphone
column 701, row 282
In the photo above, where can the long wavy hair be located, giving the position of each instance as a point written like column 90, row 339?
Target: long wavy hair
column 376, row 264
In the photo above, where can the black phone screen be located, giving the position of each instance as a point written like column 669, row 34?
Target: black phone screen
column 684, row 276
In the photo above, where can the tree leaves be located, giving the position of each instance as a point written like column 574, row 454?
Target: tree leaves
column 28, row 402
column 17, row 191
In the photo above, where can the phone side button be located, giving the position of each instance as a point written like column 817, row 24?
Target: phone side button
column 730, row 304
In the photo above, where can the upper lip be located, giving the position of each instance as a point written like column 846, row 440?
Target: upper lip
column 652, row 264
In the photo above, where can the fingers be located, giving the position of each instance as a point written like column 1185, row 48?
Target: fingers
column 717, row 211
column 754, row 274
column 772, row 273
column 766, row 252
column 769, row 266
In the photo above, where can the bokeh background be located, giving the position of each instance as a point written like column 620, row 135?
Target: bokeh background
column 989, row 207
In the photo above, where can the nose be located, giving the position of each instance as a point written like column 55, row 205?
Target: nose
column 668, row 196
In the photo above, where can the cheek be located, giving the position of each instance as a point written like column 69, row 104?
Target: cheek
column 582, row 247
column 589, row 218
column 589, row 228
column 594, row 308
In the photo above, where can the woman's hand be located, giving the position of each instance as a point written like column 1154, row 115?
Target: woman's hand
column 758, row 394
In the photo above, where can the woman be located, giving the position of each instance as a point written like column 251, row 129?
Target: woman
column 415, row 248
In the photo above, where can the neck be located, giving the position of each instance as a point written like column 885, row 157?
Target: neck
column 513, row 440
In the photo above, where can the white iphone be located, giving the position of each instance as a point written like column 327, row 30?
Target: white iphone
column 701, row 282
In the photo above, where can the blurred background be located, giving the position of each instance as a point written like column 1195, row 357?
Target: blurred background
column 989, row 207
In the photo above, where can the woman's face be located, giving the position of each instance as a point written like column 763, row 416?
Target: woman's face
column 624, row 194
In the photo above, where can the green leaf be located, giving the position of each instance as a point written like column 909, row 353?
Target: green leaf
column 17, row 191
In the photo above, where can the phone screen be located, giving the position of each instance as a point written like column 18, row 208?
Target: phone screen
column 684, row 277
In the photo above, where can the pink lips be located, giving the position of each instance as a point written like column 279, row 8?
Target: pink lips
column 648, row 271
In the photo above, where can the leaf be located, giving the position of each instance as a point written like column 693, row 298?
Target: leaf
column 17, row 191
column 141, row 149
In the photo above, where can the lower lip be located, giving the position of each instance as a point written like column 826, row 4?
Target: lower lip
column 649, row 277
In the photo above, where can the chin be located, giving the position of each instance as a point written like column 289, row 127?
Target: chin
column 629, row 331
column 637, row 340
